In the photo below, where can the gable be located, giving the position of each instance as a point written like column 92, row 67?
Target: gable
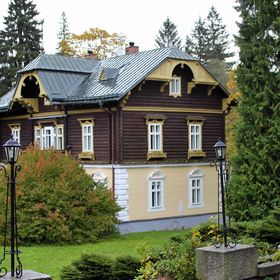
column 199, row 74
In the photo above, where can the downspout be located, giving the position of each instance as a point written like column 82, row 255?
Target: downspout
column 112, row 146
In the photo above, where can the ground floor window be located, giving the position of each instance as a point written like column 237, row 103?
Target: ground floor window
column 156, row 191
column 195, row 188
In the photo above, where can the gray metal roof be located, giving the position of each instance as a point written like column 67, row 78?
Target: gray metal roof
column 61, row 63
column 132, row 69
column 6, row 100
column 77, row 80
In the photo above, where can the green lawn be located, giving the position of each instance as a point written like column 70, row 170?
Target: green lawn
column 50, row 259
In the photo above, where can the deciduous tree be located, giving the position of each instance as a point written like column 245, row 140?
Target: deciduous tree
column 20, row 41
column 99, row 41
column 58, row 202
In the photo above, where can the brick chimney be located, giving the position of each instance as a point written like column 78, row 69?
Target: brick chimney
column 131, row 48
column 91, row 55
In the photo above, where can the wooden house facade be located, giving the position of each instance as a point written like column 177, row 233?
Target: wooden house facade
column 146, row 122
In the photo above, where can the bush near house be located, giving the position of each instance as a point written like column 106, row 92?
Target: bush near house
column 57, row 202
column 96, row 267
column 176, row 260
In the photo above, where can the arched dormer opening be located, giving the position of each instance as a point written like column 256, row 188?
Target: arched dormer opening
column 184, row 71
column 28, row 90
column 30, row 87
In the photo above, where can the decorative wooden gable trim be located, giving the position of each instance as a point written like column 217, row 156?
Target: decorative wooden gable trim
column 30, row 103
column 200, row 74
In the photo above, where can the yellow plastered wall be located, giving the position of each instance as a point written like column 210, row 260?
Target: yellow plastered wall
column 176, row 192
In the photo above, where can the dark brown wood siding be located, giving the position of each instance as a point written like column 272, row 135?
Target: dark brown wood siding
column 151, row 96
column 175, row 136
column 101, row 134
column 26, row 133
column 47, row 108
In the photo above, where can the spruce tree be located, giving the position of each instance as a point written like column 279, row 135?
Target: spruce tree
column 63, row 34
column 217, row 37
column 209, row 39
column 20, row 41
column 197, row 43
column 255, row 183
column 168, row 35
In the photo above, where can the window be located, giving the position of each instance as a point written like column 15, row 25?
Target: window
column 47, row 102
column 156, row 189
column 196, row 189
column 155, row 131
column 175, row 86
column 99, row 177
column 49, row 137
column 15, row 131
column 87, row 139
column 155, row 139
column 195, row 138
column 37, row 136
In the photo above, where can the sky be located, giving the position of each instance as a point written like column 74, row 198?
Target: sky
column 138, row 20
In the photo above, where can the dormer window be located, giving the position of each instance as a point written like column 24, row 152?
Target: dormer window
column 175, row 86
column 46, row 102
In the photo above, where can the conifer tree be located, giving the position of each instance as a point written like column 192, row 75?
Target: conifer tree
column 255, row 183
column 168, row 35
column 20, row 41
column 217, row 37
column 209, row 39
column 63, row 35
column 197, row 43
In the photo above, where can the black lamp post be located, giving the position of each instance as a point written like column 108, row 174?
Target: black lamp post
column 223, row 170
column 220, row 150
column 12, row 152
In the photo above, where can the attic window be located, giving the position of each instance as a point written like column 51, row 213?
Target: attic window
column 108, row 74
column 175, row 86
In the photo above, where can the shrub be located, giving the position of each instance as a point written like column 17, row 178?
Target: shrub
column 57, row 202
column 96, row 267
column 267, row 229
column 126, row 267
column 89, row 267
column 175, row 261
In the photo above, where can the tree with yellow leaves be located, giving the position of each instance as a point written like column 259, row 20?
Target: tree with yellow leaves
column 233, row 116
column 99, row 41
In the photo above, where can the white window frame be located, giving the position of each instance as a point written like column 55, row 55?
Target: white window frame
column 195, row 136
column 155, row 137
column 47, row 102
column 60, row 137
column 156, row 179
column 87, row 137
column 37, row 136
column 175, row 86
column 49, row 137
column 15, row 131
column 195, row 189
